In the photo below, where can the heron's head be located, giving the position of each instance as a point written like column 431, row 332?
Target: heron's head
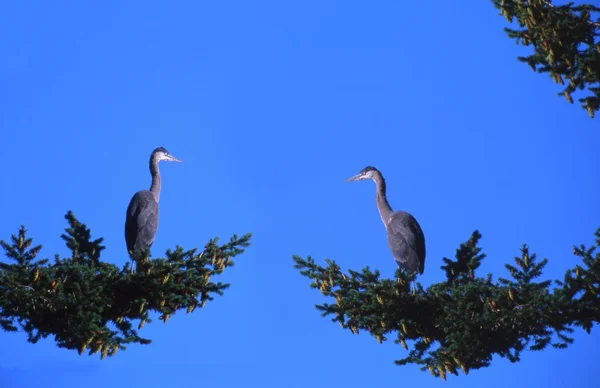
column 368, row 172
column 161, row 153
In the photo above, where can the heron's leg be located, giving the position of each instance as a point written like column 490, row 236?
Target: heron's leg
column 414, row 290
column 133, row 265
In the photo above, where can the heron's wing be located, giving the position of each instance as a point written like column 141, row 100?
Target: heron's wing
column 141, row 221
column 406, row 240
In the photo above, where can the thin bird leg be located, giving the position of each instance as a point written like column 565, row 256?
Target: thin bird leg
column 414, row 290
column 133, row 261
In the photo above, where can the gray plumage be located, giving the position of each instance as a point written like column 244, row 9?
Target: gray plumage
column 141, row 219
column 404, row 234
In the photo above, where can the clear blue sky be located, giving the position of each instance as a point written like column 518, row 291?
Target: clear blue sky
column 271, row 105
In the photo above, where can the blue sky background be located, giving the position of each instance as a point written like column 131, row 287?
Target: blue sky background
column 271, row 105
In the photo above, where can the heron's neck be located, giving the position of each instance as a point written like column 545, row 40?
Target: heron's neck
column 155, row 187
column 382, row 203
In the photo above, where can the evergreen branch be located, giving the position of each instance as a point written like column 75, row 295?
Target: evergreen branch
column 87, row 304
column 549, row 4
column 463, row 322
column 565, row 42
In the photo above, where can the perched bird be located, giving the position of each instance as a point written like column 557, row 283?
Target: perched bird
column 141, row 219
column 404, row 234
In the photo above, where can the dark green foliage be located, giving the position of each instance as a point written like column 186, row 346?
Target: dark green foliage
column 565, row 43
column 77, row 299
column 462, row 322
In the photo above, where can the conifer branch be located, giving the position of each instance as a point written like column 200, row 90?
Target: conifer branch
column 461, row 323
column 565, row 42
column 87, row 304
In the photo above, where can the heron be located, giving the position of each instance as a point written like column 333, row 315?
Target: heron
column 404, row 234
column 141, row 219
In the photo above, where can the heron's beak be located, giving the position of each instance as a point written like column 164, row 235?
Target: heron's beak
column 353, row 178
column 171, row 158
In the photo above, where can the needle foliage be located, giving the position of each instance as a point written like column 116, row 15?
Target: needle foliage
column 565, row 44
column 462, row 322
column 87, row 304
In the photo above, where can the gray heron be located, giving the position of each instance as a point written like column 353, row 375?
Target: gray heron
column 404, row 234
column 141, row 220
